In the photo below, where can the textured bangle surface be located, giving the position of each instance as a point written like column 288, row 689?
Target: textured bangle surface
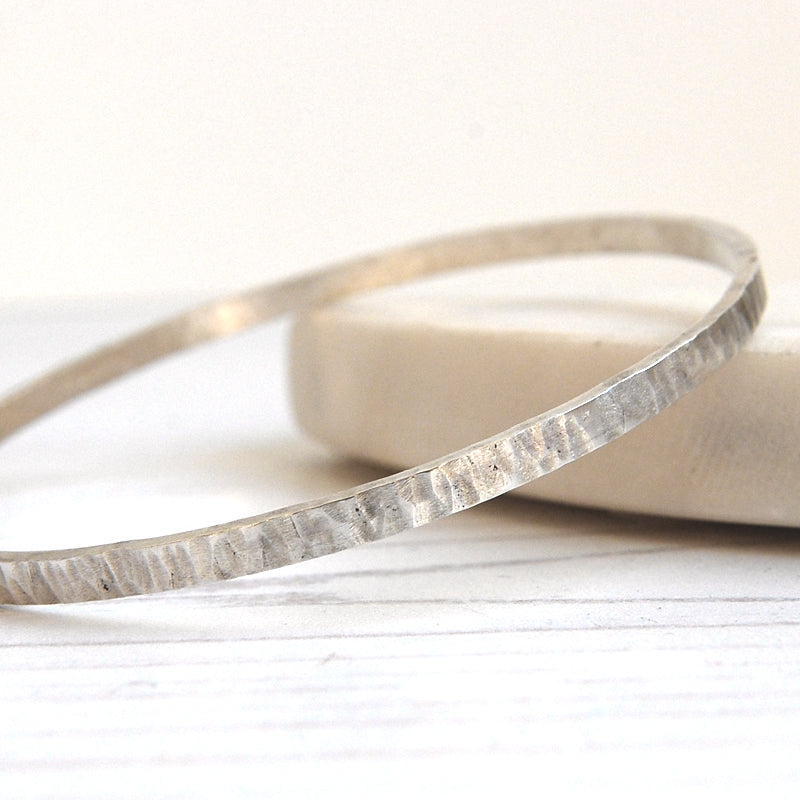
column 411, row 498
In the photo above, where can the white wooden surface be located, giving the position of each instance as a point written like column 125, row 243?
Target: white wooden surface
column 518, row 649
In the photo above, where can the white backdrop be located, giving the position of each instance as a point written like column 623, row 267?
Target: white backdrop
column 169, row 146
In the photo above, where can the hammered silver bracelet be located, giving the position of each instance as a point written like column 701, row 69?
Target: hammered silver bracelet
column 425, row 493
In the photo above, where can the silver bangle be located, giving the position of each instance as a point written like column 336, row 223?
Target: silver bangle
column 419, row 495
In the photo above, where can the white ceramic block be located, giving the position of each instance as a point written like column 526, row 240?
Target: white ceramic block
column 401, row 376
